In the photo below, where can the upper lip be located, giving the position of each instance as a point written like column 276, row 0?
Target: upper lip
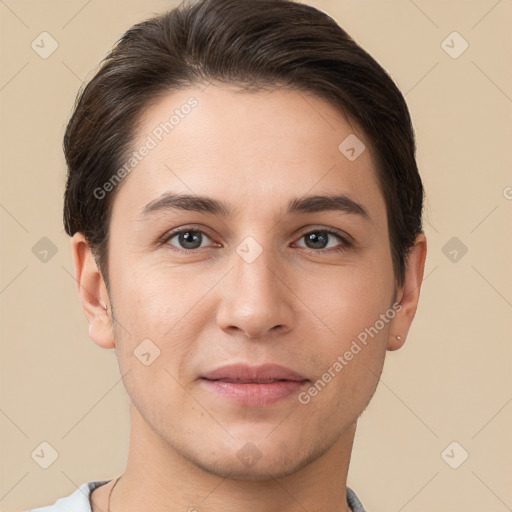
column 247, row 373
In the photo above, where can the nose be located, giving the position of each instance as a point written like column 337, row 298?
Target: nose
column 255, row 298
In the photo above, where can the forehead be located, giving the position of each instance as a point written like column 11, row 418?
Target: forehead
column 255, row 150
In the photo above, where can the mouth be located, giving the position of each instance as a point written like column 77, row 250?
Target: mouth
column 254, row 393
column 252, row 381
column 254, row 386
column 245, row 373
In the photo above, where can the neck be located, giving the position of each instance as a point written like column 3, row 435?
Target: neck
column 159, row 478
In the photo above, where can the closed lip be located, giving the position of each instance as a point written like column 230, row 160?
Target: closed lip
column 245, row 373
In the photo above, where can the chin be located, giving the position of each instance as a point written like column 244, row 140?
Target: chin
column 261, row 471
column 251, row 464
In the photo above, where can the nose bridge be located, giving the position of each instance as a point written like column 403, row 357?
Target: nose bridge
column 255, row 268
column 254, row 298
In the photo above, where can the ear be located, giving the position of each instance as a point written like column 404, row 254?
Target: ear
column 93, row 293
column 409, row 294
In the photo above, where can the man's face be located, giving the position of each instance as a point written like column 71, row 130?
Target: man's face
column 258, row 285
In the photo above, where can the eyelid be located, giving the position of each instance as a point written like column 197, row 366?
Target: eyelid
column 346, row 240
column 334, row 231
column 173, row 232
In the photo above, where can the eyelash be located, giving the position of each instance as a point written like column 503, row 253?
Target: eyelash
column 343, row 246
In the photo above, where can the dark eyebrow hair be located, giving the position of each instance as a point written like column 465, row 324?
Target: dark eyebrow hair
column 322, row 203
column 307, row 204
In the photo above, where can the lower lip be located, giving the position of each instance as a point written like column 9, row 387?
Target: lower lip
column 255, row 393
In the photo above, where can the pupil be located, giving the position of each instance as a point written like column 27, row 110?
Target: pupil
column 315, row 240
column 189, row 238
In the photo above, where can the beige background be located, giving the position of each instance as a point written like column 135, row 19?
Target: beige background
column 450, row 382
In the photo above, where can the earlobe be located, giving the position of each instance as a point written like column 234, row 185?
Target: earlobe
column 92, row 293
column 409, row 294
column 395, row 342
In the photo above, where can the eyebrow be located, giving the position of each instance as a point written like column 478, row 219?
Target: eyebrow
column 301, row 205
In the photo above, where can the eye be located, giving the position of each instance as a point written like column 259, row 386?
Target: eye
column 318, row 240
column 321, row 238
column 187, row 239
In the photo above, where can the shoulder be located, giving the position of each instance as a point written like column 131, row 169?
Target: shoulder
column 353, row 501
column 78, row 501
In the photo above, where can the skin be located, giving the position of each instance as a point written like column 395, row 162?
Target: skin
column 294, row 305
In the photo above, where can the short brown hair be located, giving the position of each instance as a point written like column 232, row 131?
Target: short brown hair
column 252, row 44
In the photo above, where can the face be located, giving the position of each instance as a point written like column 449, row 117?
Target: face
column 258, row 275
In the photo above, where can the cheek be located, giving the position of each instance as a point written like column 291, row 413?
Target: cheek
column 350, row 361
column 349, row 326
column 146, row 314
column 161, row 316
column 151, row 357
column 154, row 300
column 349, row 299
